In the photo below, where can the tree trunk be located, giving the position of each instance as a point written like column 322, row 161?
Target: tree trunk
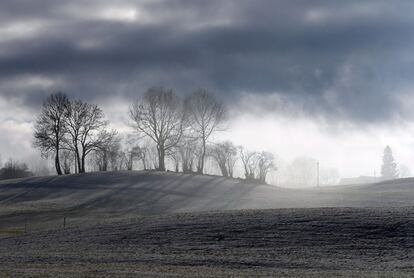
column 57, row 163
column 161, row 158
column 223, row 169
column 105, row 162
column 78, row 160
column 203, row 157
column 230, row 171
column 83, row 162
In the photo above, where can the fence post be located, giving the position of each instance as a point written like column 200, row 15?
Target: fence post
column 64, row 222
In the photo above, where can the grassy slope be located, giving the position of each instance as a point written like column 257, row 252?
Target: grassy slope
column 120, row 194
column 95, row 196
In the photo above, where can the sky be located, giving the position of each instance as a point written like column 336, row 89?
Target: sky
column 331, row 80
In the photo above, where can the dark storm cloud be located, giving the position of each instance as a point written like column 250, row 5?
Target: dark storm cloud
column 345, row 59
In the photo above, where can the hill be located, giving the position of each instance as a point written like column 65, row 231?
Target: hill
column 96, row 196
column 156, row 224
column 106, row 195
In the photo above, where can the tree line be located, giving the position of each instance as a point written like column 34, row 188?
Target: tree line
column 13, row 169
column 169, row 128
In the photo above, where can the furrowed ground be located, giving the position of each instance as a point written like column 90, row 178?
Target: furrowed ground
column 293, row 242
column 153, row 224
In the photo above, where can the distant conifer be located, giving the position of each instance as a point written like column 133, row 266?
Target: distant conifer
column 389, row 167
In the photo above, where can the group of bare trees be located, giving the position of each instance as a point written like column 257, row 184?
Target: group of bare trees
column 225, row 156
column 118, row 155
column 256, row 164
column 179, row 130
column 182, row 128
column 159, row 114
column 71, row 128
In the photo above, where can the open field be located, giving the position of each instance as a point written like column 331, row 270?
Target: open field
column 287, row 242
column 158, row 224
column 114, row 195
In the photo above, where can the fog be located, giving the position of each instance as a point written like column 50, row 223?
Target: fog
column 353, row 149
column 330, row 82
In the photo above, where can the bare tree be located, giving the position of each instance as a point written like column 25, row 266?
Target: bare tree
column 144, row 157
column 225, row 155
column 265, row 162
column 174, row 154
column 109, row 156
column 205, row 115
column 185, row 154
column 87, row 130
column 121, row 162
column 132, row 152
column 256, row 164
column 131, row 155
column 50, row 129
column 100, row 160
column 115, row 155
column 160, row 116
column 149, row 155
column 302, row 172
column 187, row 150
column 67, row 158
column 249, row 161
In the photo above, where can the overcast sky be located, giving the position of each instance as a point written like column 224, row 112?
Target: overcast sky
column 327, row 79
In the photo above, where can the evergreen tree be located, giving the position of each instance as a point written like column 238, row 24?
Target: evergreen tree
column 389, row 167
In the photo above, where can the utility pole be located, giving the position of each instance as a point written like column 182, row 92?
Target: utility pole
column 317, row 174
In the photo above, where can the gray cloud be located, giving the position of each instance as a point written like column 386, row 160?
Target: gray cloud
column 346, row 60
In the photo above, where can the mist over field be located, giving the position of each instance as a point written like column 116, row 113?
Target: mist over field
column 328, row 81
